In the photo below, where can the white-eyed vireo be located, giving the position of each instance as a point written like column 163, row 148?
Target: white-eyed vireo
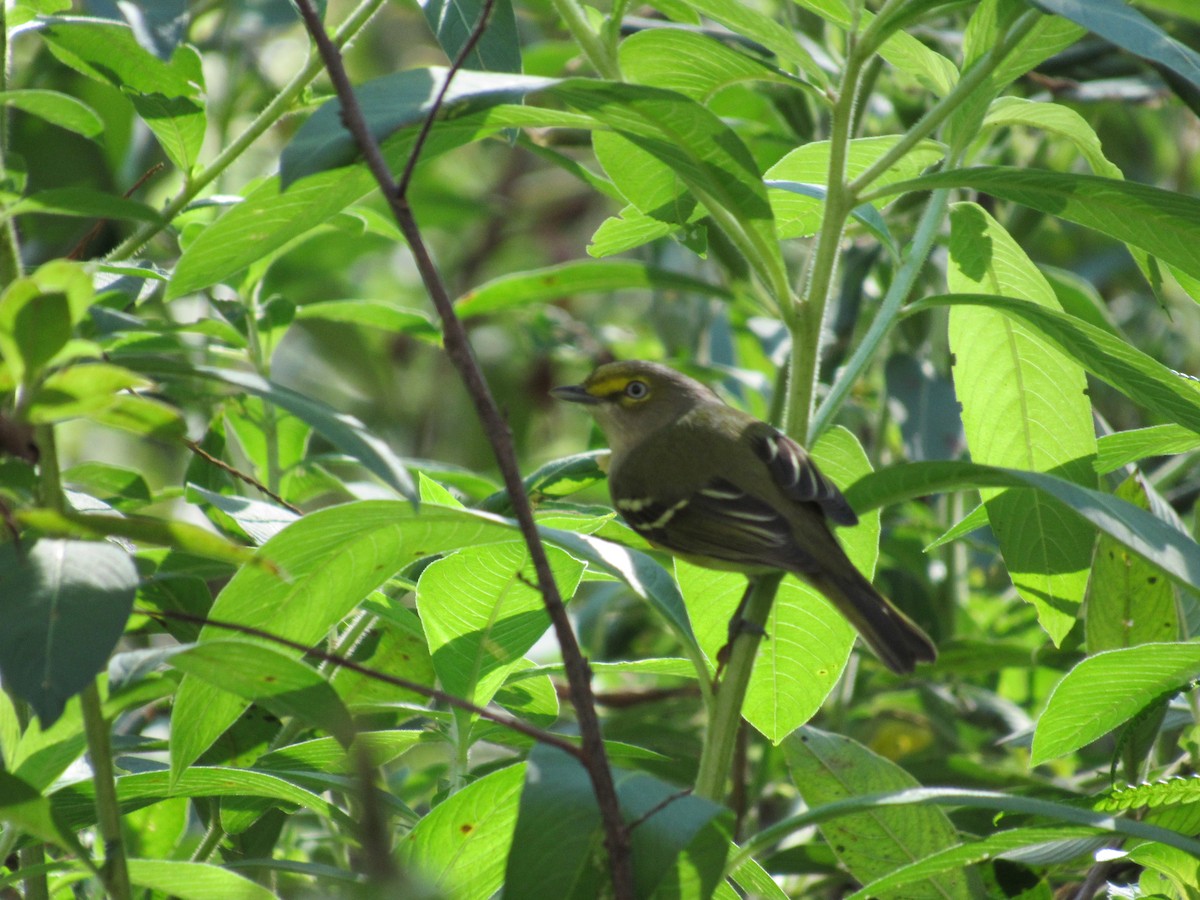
column 718, row 487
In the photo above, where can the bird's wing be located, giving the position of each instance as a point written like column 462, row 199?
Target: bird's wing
column 719, row 522
column 795, row 473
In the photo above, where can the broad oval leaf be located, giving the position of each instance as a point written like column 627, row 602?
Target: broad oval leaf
column 828, row 767
column 1024, row 406
column 64, row 605
column 460, row 847
column 1107, row 690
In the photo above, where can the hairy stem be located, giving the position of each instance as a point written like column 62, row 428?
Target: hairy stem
column 717, row 755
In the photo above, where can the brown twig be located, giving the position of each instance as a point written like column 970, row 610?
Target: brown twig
column 659, row 807
column 542, row 737
column 458, row 348
column 240, row 475
column 77, row 250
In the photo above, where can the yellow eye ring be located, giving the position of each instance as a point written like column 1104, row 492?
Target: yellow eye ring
column 637, row 390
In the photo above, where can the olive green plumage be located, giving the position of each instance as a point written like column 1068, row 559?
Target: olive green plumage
column 717, row 486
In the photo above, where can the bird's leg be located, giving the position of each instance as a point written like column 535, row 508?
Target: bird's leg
column 737, row 625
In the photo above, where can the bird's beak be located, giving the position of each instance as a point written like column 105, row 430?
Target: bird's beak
column 573, row 393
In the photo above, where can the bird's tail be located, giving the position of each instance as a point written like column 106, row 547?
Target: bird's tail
column 895, row 638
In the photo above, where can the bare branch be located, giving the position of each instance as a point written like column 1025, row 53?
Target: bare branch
column 542, row 737
column 458, row 348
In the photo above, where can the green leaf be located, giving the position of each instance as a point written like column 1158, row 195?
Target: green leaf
column 702, row 152
column 975, row 799
column 75, row 804
column 328, row 561
column 629, row 229
column 342, row 430
column 263, row 675
column 58, row 109
column 1163, row 223
column 799, row 215
column 482, row 612
column 680, row 849
column 117, row 486
column 395, row 646
column 143, row 529
column 866, row 214
column 389, row 104
column 194, row 881
column 24, row 808
column 1148, row 536
column 958, row 858
column 644, row 575
column 1057, row 120
column 568, row 279
column 1129, row 29
column 828, row 767
column 748, row 22
column 989, row 24
column 932, row 70
column 167, row 95
column 459, row 849
column 1140, row 377
column 1024, row 406
column 143, row 416
column 1128, row 601
column 79, row 391
column 452, row 21
column 84, row 202
column 1107, row 690
column 1124, row 447
column 374, row 314
column 33, row 328
column 269, row 219
column 64, row 605
column 694, row 64
column 327, row 755
column 38, row 313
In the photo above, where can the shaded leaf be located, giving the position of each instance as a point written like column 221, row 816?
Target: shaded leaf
column 64, row 605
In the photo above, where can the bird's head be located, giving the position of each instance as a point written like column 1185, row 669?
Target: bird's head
column 630, row 400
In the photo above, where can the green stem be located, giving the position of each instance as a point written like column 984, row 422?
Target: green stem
column 889, row 309
column 212, row 837
column 262, row 365
column 10, row 249
column 271, row 114
column 717, row 755
column 594, row 49
column 108, row 810
column 970, row 82
column 806, row 325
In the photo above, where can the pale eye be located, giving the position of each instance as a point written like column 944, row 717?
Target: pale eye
column 636, row 390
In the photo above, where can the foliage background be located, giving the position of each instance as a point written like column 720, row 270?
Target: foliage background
column 191, row 349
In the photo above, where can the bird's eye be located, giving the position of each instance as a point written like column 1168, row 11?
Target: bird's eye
column 636, row 390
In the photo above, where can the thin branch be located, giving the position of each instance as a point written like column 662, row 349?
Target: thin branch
column 542, row 737
column 78, row 250
column 659, row 807
column 458, row 349
column 427, row 126
column 240, row 475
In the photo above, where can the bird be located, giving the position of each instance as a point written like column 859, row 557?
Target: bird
column 720, row 488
